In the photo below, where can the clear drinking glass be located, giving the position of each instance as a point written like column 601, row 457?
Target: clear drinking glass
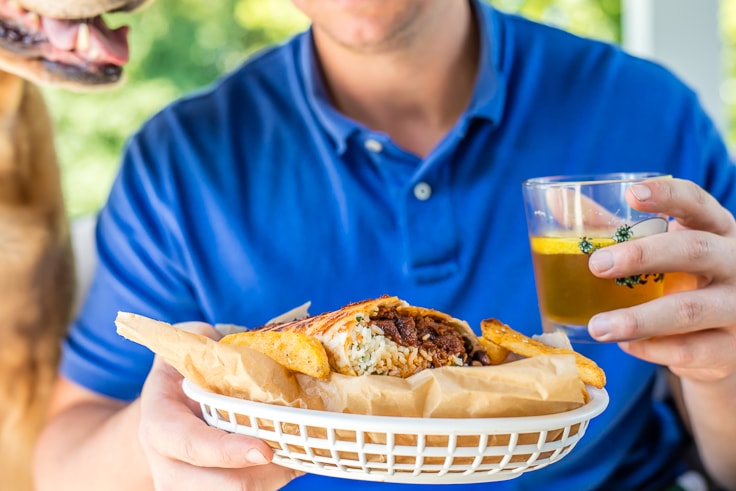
column 568, row 218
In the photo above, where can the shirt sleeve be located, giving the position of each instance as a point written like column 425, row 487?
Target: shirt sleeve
column 717, row 172
column 140, row 270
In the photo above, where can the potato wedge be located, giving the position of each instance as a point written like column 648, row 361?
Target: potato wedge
column 296, row 351
column 496, row 353
column 516, row 342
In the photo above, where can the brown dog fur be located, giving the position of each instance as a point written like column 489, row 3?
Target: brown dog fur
column 36, row 274
column 36, row 261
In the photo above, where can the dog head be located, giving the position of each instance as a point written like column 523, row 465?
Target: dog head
column 64, row 43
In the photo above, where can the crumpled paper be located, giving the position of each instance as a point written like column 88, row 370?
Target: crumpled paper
column 542, row 385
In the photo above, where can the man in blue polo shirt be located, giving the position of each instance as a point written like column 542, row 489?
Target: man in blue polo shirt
column 382, row 151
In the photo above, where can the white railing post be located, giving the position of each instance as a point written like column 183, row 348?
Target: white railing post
column 683, row 35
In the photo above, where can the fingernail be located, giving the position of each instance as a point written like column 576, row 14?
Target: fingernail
column 255, row 457
column 641, row 192
column 601, row 261
column 599, row 327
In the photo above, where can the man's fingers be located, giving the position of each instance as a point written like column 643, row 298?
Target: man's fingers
column 688, row 203
column 191, row 440
column 687, row 251
column 704, row 355
column 679, row 313
column 191, row 478
column 172, row 429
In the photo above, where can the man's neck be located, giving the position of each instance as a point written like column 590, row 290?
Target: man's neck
column 414, row 93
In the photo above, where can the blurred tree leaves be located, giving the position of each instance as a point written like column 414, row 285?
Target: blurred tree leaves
column 728, row 89
column 90, row 132
column 180, row 45
column 600, row 19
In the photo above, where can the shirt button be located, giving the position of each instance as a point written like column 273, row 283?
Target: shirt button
column 422, row 191
column 373, row 145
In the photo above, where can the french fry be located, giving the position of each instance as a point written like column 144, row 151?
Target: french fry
column 296, row 351
column 496, row 353
column 516, row 342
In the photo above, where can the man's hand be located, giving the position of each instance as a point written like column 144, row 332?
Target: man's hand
column 694, row 331
column 691, row 331
column 184, row 453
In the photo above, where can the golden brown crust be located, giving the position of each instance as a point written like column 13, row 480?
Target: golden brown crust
column 296, row 351
column 330, row 321
column 502, row 335
column 497, row 354
column 336, row 332
column 333, row 329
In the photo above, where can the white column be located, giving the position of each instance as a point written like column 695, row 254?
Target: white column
column 683, row 35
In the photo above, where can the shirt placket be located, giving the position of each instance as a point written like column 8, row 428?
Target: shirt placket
column 424, row 208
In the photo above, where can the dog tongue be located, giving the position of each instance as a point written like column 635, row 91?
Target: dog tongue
column 106, row 46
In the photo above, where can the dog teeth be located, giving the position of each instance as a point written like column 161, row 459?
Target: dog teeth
column 83, row 42
column 94, row 54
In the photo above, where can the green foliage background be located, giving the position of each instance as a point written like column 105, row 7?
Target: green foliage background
column 180, row 45
column 176, row 46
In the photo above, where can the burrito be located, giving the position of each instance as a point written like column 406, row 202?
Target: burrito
column 387, row 336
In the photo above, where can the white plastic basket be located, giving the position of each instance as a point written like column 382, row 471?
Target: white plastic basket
column 402, row 450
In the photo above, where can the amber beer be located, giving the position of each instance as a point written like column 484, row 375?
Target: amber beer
column 569, row 294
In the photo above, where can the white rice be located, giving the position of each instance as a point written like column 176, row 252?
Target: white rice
column 371, row 352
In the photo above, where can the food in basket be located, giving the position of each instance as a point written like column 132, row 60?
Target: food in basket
column 511, row 385
column 296, row 351
column 497, row 354
column 387, row 336
column 497, row 333
column 512, row 409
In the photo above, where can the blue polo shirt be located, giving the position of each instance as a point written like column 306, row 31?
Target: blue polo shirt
column 256, row 195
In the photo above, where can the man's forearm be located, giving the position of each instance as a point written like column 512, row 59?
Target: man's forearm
column 710, row 408
column 92, row 447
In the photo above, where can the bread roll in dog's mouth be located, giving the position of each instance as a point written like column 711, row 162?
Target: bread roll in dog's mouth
column 387, row 336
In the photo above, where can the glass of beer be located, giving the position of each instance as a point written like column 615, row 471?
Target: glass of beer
column 568, row 218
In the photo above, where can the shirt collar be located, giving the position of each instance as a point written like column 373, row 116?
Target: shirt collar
column 487, row 102
column 336, row 124
column 489, row 95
